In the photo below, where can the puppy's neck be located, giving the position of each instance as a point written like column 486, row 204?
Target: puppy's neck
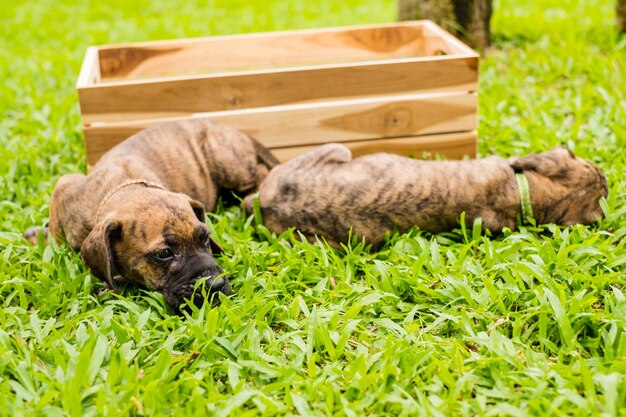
column 119, row 188
column 544, row 196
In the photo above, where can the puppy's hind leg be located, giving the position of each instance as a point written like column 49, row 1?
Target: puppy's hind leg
column 68, row 204
column 239, row 162
column 32, row 234
column 65, row 192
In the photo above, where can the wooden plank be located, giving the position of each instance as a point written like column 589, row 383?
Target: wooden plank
column 437, row 39
column 451, row 145
column 90, row 68
column 314, row 123
column 266, row 50
column 182, row 96
column 272, row 34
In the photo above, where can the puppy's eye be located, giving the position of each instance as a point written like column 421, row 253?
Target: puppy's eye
column 164, row 255
column 207, row 240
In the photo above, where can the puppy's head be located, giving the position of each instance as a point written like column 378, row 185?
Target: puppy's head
column 157, row 239
column 567, row 188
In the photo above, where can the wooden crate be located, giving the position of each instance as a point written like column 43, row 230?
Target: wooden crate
column 405, row 87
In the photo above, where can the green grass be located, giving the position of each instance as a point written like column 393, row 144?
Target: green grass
column 530, row 323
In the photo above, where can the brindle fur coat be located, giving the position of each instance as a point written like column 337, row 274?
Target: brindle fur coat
column 326, row 193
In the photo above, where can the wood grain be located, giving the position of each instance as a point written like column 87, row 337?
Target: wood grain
column 451, row 146
column 436, row 39
column 399, row 87
column 90, row 69
column 268, row 50
column 184, row 96
column 314, row 123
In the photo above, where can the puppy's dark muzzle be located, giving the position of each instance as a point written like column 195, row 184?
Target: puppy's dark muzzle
column 201, row 287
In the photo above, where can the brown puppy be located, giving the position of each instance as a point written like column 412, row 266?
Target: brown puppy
column 139, row 214
column 324, row 192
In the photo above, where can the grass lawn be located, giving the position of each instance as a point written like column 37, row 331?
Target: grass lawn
column 532, row 322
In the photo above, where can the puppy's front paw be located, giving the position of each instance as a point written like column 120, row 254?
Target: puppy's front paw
column 249, row 202
column 32, row 234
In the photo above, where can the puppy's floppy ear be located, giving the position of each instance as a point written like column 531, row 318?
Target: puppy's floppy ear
column 330, row 153
column 198, row 209
column 526, row 163
column 215, row 248
column 551, row 164
column 97, row 251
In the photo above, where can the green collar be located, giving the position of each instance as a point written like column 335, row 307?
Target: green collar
column 524, row 196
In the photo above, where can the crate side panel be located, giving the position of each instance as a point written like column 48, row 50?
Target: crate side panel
column 357, row 119
column 310, row 124
column 90, row 69
column 183, row 97
column 261, row 51
column 437, row 40
column 452, row 146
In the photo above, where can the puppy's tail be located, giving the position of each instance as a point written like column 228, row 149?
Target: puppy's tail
column 32, row 234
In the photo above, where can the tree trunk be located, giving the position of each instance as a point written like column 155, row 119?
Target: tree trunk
column 468, row 19
column 621, row 14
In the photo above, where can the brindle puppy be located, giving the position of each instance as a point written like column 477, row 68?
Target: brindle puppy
column 139, row 214
column 325, row 193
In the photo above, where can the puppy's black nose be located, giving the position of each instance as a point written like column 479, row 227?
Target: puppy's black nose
column 220, row 284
